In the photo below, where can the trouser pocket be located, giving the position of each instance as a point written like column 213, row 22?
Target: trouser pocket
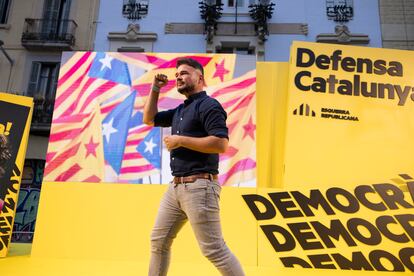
column 213, row 196
column 203, row 200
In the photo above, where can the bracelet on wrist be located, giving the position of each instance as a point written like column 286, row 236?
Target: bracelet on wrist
column 155, row 89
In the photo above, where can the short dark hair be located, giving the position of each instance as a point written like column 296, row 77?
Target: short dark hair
column 190, row 62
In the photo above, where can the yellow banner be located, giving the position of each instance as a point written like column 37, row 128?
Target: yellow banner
column 363, row 229
column 350, row 115
column 368, row 228
column 272, row 79
column 350, row 145
column 15, row 118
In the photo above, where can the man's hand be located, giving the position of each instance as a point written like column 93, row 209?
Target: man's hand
column 172, row 142
column 160, row 80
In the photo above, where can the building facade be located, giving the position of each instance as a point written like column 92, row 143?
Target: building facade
column 33, row 34
column 397, row 24
column 244, row 26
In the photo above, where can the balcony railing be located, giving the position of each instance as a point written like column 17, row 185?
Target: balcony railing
column 49, row 34
column 42, row 115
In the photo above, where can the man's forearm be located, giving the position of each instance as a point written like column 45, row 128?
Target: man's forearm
column 209, row 144
column 150, row 107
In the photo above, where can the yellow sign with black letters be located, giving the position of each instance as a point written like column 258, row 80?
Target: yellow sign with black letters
column 367, row 228
column 15, row 118
column 350, row 115
column 342, row 176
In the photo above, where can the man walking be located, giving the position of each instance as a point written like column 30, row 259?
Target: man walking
column 199, row 134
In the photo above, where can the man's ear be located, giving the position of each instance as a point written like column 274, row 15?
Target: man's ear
column 203, row 81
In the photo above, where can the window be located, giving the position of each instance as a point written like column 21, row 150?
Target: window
column 232, row 3
column 246, row 48
column 131, row 49
column 4, row 10
column 55, row 17
column 43, row 80
column 56, row 9
column 257, row 2
column 213, row 2
column 235, row 50
column 263, row 2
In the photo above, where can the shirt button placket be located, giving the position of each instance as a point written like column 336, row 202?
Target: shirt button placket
column 179, row 123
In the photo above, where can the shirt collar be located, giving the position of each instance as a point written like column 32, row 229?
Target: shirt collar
column 194, row 97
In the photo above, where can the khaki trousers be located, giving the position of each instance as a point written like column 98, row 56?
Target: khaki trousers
column 197, row 202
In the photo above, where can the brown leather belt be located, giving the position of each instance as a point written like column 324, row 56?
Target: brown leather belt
column 193, row 178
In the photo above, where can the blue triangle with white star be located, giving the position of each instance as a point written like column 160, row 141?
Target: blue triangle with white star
column 115, row 131
column 150, row 147
column 109, row 68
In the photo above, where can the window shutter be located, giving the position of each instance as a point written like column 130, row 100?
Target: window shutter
column 66, row 9
column 50, row 18
column 55, row 77
column 51, row 9
column 34, row 79
column 4, row 9
column 63, row 25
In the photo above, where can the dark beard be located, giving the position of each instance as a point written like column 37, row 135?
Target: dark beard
column 187, row 88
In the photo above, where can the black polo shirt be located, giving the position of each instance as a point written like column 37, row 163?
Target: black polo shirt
column 199, row 116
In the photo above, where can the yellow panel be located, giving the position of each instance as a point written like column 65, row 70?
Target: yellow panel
column 16, row 99
column 7, row 216
column 114, row 221
column 309, row 235
column 322, row 151
column 69, row 243
column 23, row 266
column 85, row 220
column 271, row 94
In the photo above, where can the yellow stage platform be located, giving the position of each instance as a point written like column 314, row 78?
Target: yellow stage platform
column 104, row 229
column 19, row 263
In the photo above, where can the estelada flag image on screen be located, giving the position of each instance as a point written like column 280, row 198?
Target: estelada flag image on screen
column 15, row 117
column 97, row 133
